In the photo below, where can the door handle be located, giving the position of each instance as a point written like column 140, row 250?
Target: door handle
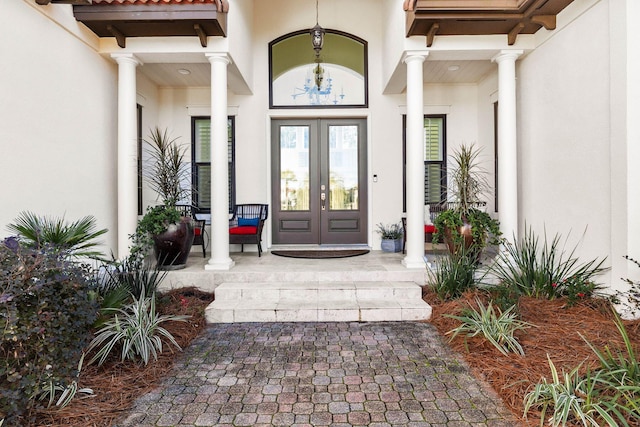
column 323, row 197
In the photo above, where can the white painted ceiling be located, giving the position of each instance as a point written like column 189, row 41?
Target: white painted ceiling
column 167, row 74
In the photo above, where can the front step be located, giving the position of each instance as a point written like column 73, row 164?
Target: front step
column 317, row 302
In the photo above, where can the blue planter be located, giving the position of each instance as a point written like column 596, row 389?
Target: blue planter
column 391, row 245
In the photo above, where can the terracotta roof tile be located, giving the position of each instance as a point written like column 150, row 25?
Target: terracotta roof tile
column 150, row 1
column 222, row 5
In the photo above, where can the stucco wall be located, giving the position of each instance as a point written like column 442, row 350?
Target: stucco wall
column 563, row 134
column 253, row 179
column 57, row 118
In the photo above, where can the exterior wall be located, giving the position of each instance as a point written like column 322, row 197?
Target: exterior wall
column 563, row 135
column 57, row 119
column 253, row 176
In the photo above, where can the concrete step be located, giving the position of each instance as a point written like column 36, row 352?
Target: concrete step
column 330, row 291
column 318, row 302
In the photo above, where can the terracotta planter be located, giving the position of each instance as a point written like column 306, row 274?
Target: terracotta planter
column 173, row 246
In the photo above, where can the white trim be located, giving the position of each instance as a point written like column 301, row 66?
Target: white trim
column 205, row 110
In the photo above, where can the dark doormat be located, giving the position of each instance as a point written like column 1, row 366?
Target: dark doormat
column 339, row 253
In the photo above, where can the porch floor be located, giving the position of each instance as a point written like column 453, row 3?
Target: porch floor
column 371, row 287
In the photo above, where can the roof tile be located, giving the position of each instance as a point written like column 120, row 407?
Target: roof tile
column 151, row 1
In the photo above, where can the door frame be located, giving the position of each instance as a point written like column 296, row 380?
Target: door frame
column 366, row 163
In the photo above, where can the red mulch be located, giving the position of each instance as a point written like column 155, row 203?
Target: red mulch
column 557, row 334
column 116, row 385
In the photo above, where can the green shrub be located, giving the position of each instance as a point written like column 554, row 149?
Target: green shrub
column 78, row 239
column 496, row 326
column 452, row 275
column 629, row 299
column 545, row 270
column 45, row 316
column 135, row 331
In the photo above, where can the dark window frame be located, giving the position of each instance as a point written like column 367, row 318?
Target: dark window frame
column 139, row 160
column 355, row 38
column 443, row 162
column 231, row 134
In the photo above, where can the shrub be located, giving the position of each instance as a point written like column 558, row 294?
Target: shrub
column 45, row 316
column 133, row 275
column 135, row 330
column 452, row 275
column 629, row 299
column 496, row 326
column 545, row 270
column 609, row 394
column 78, row 239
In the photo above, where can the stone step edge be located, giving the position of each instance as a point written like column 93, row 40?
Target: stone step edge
column 365, row 311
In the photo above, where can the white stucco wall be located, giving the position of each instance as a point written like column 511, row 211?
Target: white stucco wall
column 563, row 134
column 57, row 118
column 253, row 179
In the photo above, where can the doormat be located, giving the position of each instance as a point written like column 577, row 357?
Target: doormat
column 338, row 253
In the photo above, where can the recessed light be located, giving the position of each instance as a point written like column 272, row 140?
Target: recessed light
column 184, row 71
column 453, row 67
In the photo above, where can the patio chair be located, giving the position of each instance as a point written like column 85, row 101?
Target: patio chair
column 200, row 235
column 429, row 229
column 246, row 225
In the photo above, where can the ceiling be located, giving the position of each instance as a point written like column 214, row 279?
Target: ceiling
column 167, row 75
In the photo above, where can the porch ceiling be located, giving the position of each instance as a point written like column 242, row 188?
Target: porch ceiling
column 154, row 18
column 443, row 72
column 432, row 18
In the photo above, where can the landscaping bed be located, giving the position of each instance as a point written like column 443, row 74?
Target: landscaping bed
column 557, row 334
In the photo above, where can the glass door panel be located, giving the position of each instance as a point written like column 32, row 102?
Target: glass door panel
column 343, row 167
column 294, row 168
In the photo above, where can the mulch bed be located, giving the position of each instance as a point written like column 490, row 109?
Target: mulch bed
column 557, row 334
column 116, row 385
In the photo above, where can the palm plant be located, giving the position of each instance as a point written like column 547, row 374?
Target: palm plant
column 463, row 224
column 77, row 239
column 168, row 170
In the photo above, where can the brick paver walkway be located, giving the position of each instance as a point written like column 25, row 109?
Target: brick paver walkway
column 320, row 374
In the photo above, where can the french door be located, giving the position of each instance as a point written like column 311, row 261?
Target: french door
column 319, row 181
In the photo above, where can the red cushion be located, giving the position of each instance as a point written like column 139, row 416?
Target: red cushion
column 197, row 231
column 430, row 228
column 245, row 229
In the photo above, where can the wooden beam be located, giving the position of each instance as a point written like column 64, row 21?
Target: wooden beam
column 120, row 38
column 201, row 34
column 432, row 33
column 547, row 21
column 513, row 34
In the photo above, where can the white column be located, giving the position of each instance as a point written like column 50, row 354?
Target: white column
column 127, row 151
column 415, row 161
column 220, row 259
column 507, row 143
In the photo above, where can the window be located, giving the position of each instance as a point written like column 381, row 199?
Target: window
column 201, row 161
column 435, row 167
column 139, row 150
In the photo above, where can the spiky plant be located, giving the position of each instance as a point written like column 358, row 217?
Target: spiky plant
column 496, row 326
column 77, row 239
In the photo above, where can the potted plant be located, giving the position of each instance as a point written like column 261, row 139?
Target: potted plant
column 391, row 237
column 463, row 224
column 163, row 227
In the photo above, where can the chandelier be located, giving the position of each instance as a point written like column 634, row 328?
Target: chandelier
column 317, row 40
